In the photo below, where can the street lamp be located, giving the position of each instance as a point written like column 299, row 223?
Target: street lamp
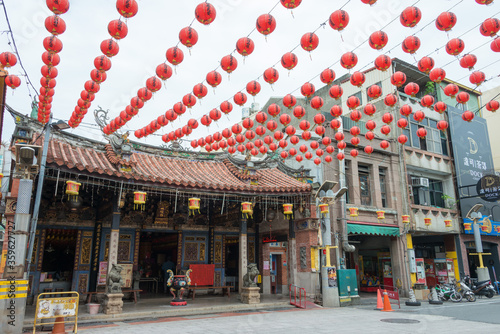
column 475, row 215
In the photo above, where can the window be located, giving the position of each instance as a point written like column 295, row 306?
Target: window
column 429, row 196
column 364, row 185
column 383, row 188
column 348, row 123
column 435, row 141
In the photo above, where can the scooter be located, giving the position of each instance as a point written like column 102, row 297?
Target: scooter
column 482, row 288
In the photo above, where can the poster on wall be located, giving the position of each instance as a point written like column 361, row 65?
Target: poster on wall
column 127, row 270
column 103, row 273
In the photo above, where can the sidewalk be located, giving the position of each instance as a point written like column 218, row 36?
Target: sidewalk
column 155, row 307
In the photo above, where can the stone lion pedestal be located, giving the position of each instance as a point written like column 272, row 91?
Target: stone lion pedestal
column 113, row 303
column 250, row 295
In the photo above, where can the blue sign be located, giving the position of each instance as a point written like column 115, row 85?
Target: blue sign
column 485, row 221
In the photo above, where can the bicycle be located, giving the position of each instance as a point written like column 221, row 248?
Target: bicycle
column 446, row 292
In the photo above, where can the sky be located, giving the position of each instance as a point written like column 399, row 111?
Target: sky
column 156, row 28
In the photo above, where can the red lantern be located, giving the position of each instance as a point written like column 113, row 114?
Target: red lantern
column 175, row 56
column 290, row 130
column 385, row 129
column 384, row 144
column 188, row 36
column 390, row 100
column 468, row 116
column 348, row 60
column 263, row 150
column 490, row 27
column 294, row 140
column 411, row 44
column 163, row 71
column 437, row 75
column 49, row 59
column 273, row 109
column 205, row 13
column 179, row 108
column 319, row 119
column 91, row 86
column 86, row 96
column 102, row 63
column 355, row 131
column 440, row 107
column 206, row 120
column 8, row 59
column 109, row 47
column 317, row 102
column 492, row 106
column 253, row 87
column 477, row 78
column 291, row 4
column 402, row 123
column 421, row 132
column 426, row 64
column 200, row 90
column 117, row 29
column 153, row 84
column 340, row 156
column 314, row 145
column 226, row 133
column 13, row 81
column 266, row 24
column 228, row 63
column 462, row 97
column 369, row 2
column 341, row 145
column 327, row 141
column 382, row 63
column 226, row 107
column 335, row 92
column 240, row 138
column 339, row 136
column 250, row 135
column 303, row 148
column 412, row 89
column 378, row 40
column 368, row 149
column 374, row 91
column 192, row 123
column 307, row 89
column 427, row 101
column 357, row 79
column 369, row 109
column 58, row 6
column 398, row 79
column 355, row 141
column 127, row 8
column 268, row 140
column 237, row 129
column 215, row 114
column 189, row 100
column 327, row 76
column 245, row 46
column 335, row 124
column 261, row 117
column 289, row 60
column 419, row 116
column 309, row 41
column 231, row 149
column 410, row 16
column 288, row 101
column 336, row 111
column 55, row 25
column 402, row 139
column 171, row 115
column 248, row 123
column 240, row 98
column 446, row 21
column 387, row 118
column 271, row 75
column 49, row 83
column 339, row 20
column 283, row 143
column 292, row 151
column 353, row 102
column 468, row 61
column 52, row 44
column 371, row 125
column 442, row 125
column 455, row 46
column 285, row 119
column 51, row 72
column 451, row 90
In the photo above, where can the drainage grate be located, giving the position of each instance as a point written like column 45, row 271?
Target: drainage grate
column 401, row 321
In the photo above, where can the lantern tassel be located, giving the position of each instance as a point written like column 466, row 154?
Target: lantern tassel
column 291, row 12
column 310, row 57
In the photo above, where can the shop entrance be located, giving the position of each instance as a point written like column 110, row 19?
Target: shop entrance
column 58, row 259
column 232, row 255
column 157, row 253
column 276, row 273
column 489, row 261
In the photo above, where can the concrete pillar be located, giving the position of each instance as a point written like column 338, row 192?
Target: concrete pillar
column 114, row 237
column 376, row 187
column 292, row 254
column 243, row 261
column 266, row 273
column 354, row 191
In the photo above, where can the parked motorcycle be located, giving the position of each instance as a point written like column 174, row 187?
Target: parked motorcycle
column 465, row 291
column 482, row 288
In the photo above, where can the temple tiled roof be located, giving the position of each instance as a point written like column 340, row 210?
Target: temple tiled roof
column 200, row 174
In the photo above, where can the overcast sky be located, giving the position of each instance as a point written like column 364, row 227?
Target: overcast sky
column 156, row 28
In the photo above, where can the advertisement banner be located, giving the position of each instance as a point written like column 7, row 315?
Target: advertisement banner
column 57, row 307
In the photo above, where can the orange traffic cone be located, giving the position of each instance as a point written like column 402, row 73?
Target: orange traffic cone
column 380, row 305
column 59, row 326
column 387, row 303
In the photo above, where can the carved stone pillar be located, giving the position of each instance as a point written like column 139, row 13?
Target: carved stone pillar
column 243, row 261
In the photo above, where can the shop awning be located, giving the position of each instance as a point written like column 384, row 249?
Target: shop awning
column 372, row 230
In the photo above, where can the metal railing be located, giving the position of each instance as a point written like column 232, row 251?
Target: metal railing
column 293, row 296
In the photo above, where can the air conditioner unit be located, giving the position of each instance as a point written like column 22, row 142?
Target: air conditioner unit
column 419, row 182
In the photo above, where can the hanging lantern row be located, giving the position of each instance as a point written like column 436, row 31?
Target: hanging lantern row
column 194, row 206
column 247, row 209
column 8, row 59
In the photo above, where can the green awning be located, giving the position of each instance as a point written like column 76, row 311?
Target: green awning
column 372, row 229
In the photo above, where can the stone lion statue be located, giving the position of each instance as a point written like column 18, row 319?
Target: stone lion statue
column 115, row 280
column 249, row 278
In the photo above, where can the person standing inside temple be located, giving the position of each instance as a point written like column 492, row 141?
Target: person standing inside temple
column 167, row 265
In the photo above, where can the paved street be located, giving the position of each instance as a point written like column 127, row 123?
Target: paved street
column 448, row 318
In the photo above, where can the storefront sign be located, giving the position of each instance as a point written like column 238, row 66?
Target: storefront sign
column 57, row 307
column 488, row 188
column 493, row 227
